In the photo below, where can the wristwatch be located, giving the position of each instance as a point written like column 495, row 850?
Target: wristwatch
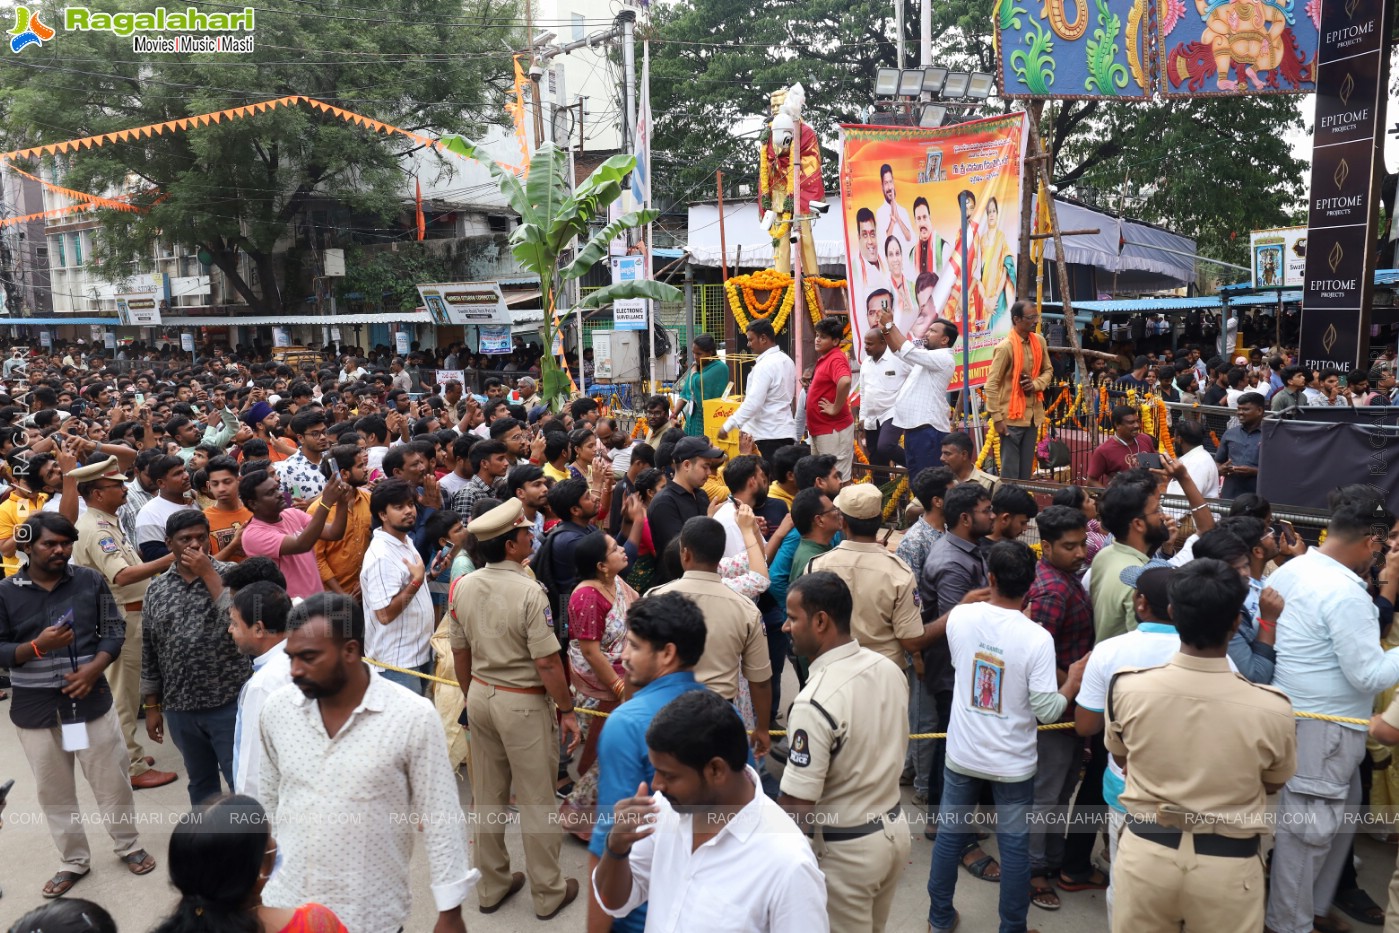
column 886, row 327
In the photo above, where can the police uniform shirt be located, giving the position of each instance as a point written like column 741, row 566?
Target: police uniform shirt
column 848, row 731
column 501, row 613
column 883, row 587
column 103, row 546
column 1161, row 717
column 734, row 635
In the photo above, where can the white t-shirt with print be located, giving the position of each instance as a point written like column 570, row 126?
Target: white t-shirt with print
column 1001, row 658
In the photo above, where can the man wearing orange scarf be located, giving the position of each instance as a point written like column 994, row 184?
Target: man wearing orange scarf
column 1020, row 372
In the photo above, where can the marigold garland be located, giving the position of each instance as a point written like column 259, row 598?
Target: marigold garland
column 743, row 302
column 991, row 447
column 781, row 297
column 892, row 505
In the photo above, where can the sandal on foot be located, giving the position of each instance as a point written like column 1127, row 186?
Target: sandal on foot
column 1358, row 905
column 139, row 862
column 1043, row 897
column 1095, row 880
column 982, row 867
column 61, row 883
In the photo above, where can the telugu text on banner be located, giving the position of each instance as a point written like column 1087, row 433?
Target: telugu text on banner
column 903, row 238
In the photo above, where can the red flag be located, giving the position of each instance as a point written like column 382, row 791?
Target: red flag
column 422, row 223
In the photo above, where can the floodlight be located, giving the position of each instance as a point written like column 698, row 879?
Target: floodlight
column 886, row 82
column 911, row 83
column 933, row 115
column 956, row 84
column 933, row 79
column 980, row 86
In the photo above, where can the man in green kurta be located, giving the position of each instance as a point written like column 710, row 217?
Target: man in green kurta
column 707, row 380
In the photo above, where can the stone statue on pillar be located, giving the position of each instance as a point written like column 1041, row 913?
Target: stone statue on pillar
column 790, row 161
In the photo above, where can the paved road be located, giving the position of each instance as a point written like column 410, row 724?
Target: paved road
column 27, row 859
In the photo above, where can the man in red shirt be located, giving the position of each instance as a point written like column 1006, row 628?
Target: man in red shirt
column 828, row 417
column 1120, row 451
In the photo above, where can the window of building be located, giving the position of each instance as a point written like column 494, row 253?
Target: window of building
column 498, row 224
column 579, row 26
column 77, row 242
column 62, row 255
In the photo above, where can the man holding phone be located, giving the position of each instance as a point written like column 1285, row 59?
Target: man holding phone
column 1238, row 448
column 1123, row 450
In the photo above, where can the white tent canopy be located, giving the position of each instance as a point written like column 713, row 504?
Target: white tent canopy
column 1150, row 260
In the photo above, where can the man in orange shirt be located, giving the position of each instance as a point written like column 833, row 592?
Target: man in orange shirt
column 339, row 561
column 227, row 516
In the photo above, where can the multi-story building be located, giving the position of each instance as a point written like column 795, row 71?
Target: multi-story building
column 24, row 266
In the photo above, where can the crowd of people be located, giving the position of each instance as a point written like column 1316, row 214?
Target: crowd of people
column 314, row 580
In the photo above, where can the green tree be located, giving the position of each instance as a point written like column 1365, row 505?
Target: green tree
column 714, row 63
column 551, row 217
column 1212, row 168
column 236, row 187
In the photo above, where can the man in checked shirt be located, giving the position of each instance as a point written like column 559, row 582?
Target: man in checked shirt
column 1058, row 601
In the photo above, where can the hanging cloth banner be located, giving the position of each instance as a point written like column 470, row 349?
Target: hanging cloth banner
column 904, row 242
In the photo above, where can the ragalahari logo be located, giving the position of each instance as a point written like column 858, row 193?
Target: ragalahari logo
column 28, row 31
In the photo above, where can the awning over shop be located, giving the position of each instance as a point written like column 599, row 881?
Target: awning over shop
column 1141, row 305
column 56, row 321
column 1384, row 278
column 1140, row 256
column 386, row 317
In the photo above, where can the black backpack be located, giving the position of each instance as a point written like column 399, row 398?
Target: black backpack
column 559, row 594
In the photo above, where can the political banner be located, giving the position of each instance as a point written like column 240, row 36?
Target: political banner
column 901, row 188
column 1279, row 257
column 495, row 340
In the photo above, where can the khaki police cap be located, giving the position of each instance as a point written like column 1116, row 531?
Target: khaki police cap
column 499, row 520
column 862, row 500
column 104, row 469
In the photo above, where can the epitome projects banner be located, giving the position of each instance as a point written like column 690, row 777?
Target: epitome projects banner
column 900, row 189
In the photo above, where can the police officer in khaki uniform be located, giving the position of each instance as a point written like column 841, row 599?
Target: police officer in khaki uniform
column 1190, row 853
column 886, row 619
column 735, row 640
column 847, row 730
column 507, row 660
column 102, row 546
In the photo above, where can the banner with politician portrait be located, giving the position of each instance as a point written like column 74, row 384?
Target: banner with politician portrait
column 900, row 192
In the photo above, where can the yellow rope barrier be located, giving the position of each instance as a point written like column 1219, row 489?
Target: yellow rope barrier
column 917, row 735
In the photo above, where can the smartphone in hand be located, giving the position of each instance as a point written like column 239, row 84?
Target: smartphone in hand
column 1149, row 460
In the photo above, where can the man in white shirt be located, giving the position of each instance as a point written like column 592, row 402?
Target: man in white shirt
column 892, row 220
column 257, row 620
column 344, row 740
column 353, row 371
column 920, row 408
column 171, row 478
column 882, row 374
column 748, row 485
column 766, row 412
column 1005, row 682
column 398, row 606
column 708, row 850
column 1190, row 439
